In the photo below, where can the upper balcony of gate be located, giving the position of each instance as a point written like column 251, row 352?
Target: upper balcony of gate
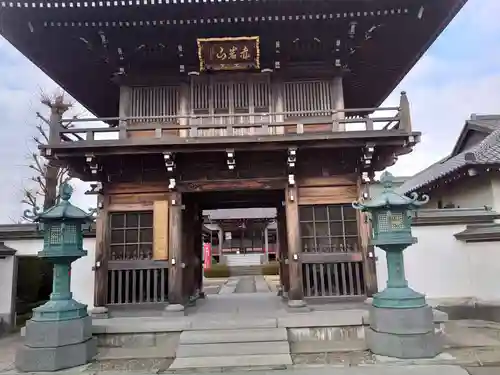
column 208, row 113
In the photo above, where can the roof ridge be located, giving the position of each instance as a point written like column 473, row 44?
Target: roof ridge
column 484, row 117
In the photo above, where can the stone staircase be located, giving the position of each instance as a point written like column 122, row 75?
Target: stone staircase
column 235, row 271
column 233, row 348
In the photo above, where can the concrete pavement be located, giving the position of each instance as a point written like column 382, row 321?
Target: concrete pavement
column 360, row 370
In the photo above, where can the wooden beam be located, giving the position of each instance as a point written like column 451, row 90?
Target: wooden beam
column 175, row 279
column 160, row 230
column 296, row 291
column 137, row 187
column 244, row 143
column 233, row 184
column 101, row 253
column 338, row 180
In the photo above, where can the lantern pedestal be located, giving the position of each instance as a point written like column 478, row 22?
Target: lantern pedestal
column 59, row 335
column 56, row 345
column 403, row 333
column 401, row 322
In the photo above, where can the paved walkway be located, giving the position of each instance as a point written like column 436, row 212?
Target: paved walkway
column 246, row 284
column 8, row 346
column 366, row 370
column 242, row 296
column 250, row 298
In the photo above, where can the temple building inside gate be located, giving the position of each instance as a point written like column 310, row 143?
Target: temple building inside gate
column 211, row 105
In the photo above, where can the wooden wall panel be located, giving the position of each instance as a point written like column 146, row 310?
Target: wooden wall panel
column 328, row 195
column 160, row 229
column 135, row 201
column 135, row 188
column 339, row 180
column 140, row 133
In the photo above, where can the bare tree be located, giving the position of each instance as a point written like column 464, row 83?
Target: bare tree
column 47, row 174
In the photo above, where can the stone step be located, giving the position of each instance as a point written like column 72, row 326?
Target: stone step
column 232, row 361
column 245, row 270
column 232, row 349
column 233, row 336
column 130, row 353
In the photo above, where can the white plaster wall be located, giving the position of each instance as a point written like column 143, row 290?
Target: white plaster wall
column 470, row 192
column 6, row 280
column 82, row 276
column 495, row 188
column 442, row 267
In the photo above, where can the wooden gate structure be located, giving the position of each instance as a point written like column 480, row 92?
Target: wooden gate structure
column 203, row 105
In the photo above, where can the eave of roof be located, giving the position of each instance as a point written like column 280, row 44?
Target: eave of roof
column 6, row 251
column 486, row 152
column 97, row 93
column 479, row 233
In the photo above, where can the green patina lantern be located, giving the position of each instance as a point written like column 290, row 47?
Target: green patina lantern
column 391, row 217
column 62, row 227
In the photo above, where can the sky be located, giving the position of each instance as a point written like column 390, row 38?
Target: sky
column 459, row 75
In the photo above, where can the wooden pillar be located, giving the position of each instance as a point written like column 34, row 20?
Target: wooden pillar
column 338, row 101
column 101, row 253
column 221, row 244
column 175, row 271
column 184, row 109
column 283, row 249
column 296, row 291
column 277, row 86
column 198, row 248
column 188, row 250
column 364, row 232
column 266, row 244
column 124, row 109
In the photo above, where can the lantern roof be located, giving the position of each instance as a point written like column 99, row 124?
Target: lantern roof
column 389, row 198
column 64, row 210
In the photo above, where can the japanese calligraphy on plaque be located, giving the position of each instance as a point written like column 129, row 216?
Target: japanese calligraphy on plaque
column 240, row 53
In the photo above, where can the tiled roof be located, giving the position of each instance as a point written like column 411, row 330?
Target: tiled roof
column 485, row 152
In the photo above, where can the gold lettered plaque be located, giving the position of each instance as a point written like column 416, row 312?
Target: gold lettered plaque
column 239, row 53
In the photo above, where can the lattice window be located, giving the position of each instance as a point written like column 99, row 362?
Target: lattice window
column 308, row 96
column 240, row 97
column 55, row 236
column 70, row 234
column 154, row 101
column 383, row 222
column 131, row 235
column 328, row 228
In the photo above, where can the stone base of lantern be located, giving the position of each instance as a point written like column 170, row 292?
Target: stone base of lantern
column 56, row 345
column 403, row 333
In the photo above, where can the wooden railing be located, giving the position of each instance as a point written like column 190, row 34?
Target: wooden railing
column 140, row 281
column 237, row 125
column 333, row 279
